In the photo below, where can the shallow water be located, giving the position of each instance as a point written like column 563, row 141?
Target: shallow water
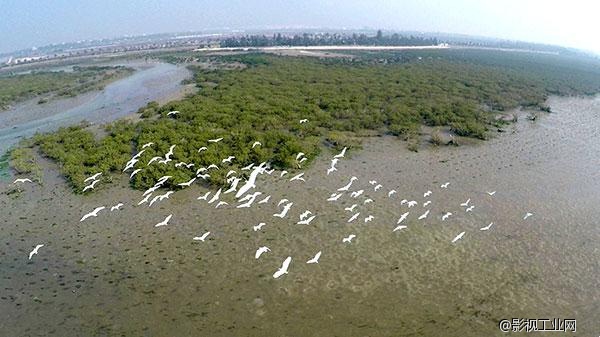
column 152, row 81
column 118, row 275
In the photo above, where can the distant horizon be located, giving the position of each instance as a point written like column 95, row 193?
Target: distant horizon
column 24, row 25
column 298, row 30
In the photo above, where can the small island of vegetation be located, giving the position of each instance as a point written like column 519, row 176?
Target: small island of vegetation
column 16, row 88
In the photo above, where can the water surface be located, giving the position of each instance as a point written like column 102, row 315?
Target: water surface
column 152, row 81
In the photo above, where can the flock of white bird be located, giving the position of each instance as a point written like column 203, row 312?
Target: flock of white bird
column 246, row 195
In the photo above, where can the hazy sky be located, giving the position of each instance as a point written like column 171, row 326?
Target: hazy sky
column 27, row 23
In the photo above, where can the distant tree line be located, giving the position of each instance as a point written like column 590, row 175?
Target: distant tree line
column 326, row 39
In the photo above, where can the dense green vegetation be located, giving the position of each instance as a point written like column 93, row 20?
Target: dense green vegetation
column 15, row 88
column 23, row 161
column 326, row 39
column 375, row 93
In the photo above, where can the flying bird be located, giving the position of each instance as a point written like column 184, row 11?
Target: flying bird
column 305, row 214
column 285, row 210
column 282, row 201
column 356, row 194
column 256, row 144
column 221, row 203
column 91, row 186
column 334, row 196
column 315, row 259
column 466, row 203
column 424, row 215
column 165, row 221
column 392, row 192
column 251, row 182
column 306, row 221
column 216, row 140
column 458, row 237
column 341, row 154
column 302, row 121
column 116, row 207
column 527, row 215
column 153, row 159
column 169, row 153
column 260, row 251
column 284, row 172
column 426, row 194
column 491, row 193
column 92, row 213
column 147, row 145
column 368, row 200
column 265, row 200
column 411, row 203
column 369, row 218
column 469, row 209
column 349, row 238
column 175, row 112
column 35, row 251
column 92, row 177
column 155, row 199
column 352, row 218
column 22, row 180
column 249, row 198
column 136, row 171
column 426, row 203
column 377, row 187
column 258, row 227
column 284, row 268
column 204, row 196
column 204, row 148
column 402, row 217
column 445, row 185
column 299, row 155
column 202, row 237
column 247, row 168
column 399, row 228
column 130, row 164
column 166, row 195
column 347, row 187
column 351, row 208
column 187, row 183
column 445, row 216
column 298, row 177
column 215, row 196
column 145, row 200
column 233, row 186
column 486, row 227
column 228, row 159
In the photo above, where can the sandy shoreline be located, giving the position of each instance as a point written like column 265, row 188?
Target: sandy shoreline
column 118, row 274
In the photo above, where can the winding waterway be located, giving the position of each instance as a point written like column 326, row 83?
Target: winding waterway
column 152, row 81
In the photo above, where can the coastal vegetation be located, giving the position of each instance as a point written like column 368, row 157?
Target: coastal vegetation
column 344, row 99
column 326, row 39
column 19, row 87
